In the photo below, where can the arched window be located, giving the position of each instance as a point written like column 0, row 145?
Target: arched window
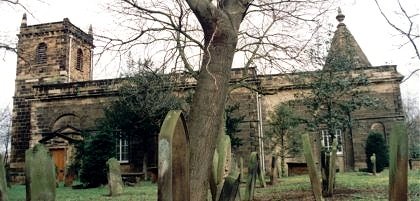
column 379, row 128
column 41, row 53
column 79, row 59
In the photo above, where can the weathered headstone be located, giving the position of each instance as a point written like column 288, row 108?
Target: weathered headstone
column 373, row 161
column 173, row 161
column 221, row 165
column 3, row 183
column 241, row 168
column 115, row 183
column 69, row 177
column 39, row 174
column 253, row 170
column 313, row 175
column 230, row 190
column 398, row 163
column 261, row 174
column 273, row 176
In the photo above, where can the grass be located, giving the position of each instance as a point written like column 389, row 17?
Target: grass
column 358, row 186
column 145, row 191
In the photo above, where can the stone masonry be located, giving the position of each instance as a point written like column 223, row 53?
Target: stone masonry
column 56, row 99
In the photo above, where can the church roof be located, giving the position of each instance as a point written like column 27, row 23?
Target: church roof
column 344, row 45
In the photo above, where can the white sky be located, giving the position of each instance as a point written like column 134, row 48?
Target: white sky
column 380, row 42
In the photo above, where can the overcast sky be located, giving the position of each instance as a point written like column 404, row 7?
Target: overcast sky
column 378, row 40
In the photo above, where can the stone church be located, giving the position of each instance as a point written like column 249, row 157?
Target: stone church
column 56, row 100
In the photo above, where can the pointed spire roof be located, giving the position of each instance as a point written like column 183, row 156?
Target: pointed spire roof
column 24, row 21
column 343, row 45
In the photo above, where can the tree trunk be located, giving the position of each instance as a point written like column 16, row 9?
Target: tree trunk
column 282, row 155
column 209, row 103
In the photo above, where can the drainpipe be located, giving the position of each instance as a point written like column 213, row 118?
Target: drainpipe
column 260, row 133
column 69, row 66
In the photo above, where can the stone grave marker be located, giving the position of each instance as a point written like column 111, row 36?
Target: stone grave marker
column 373, row 161
column 3, row 183
column 253, row 170
column 313, row 175
column 221, row 165
column 274, row 172
column 39, row 174
column 230, row 190
column 115, row 182
column 398, row 163
column 173, row 161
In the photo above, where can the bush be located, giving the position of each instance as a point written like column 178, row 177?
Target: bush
column 97, row 149
column 375, row 143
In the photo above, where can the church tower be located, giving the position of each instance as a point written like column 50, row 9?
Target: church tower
column 49, row 53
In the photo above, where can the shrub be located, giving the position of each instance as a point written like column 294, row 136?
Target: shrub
column 375, row 143
column 97, row 149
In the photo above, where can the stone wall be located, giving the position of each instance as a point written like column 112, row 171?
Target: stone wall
column 61, row 40
column 74, row 107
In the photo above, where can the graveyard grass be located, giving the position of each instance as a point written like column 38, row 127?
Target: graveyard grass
column 349, row 186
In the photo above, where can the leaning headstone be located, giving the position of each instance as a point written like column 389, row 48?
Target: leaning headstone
column 213, row 175
column 39, row 174
column 173, row 161
column 221, row 165
column 230, row 190
column 373, row 161
column 261, row 174
column 241, row 168
column 252, row 176
column 273, row 176
column 115, row 182
column 398, row 163
column 313, row 175
column 3, row 183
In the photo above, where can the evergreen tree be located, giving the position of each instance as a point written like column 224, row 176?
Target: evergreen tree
column 232, row 122
column 375, row 143
column 145, row 97
column 335, row 92
column 283, row 123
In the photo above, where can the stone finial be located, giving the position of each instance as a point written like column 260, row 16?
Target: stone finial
column 340, row 17
column 24, row 21
column 66, row 20
column 90, row 31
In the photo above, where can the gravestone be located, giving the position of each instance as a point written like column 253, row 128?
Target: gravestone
column 253, row 171
column 3, row 183
column 115, row 182
column 173, row 161
column 313, row 174
column 373, row 161
column 241, row 168
column 230, row 190
column 274, row 172
column 39, row 174
column 221, row 165
column 398, row 163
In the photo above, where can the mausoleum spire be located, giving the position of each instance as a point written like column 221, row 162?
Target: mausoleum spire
column 345, row 48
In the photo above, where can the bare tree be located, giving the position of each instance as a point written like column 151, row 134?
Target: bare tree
column 6, row 43
column 211, row 36
column 5, row 130
column 408, row 27
column 412, row 118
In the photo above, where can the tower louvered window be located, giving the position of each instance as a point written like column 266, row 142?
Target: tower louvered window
column 79, row 61
column 41, row 53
